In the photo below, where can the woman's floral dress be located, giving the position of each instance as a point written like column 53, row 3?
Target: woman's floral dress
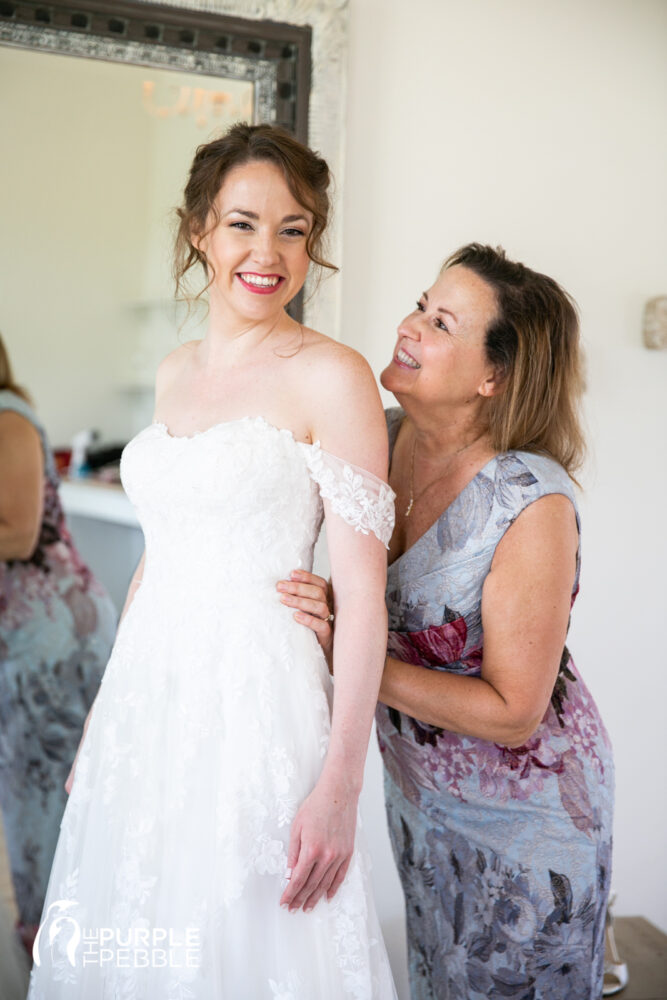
column 504, row 854
column 57, row 626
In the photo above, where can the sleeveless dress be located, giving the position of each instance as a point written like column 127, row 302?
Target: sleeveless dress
column 57, row 625
column 210, row 729
column 504, row 854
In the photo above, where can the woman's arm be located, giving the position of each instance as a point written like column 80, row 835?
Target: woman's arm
column 21, row 486
column 525, row 611
column 351, row 426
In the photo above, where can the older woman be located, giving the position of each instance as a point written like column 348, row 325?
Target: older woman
column 498, row 769
column 57, row 626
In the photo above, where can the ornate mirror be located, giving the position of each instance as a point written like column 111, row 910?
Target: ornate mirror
column 102, row 105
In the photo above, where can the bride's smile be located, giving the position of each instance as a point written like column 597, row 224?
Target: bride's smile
column 256, row 251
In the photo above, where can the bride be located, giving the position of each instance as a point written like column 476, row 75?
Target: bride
column 209, row 848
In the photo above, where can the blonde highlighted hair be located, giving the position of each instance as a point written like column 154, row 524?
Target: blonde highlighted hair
column 534, row 344
column 7, row 376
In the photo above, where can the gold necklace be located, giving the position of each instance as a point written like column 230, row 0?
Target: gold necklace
column 413, row 498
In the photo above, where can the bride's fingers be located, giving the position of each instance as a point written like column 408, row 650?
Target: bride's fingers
column 306, row 885
column 301, row 874
column 322, row 888
column 338, row 879
column 293, row 853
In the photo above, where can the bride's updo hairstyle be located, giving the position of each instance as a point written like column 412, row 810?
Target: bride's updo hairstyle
column 534, row 344
column 306, row 174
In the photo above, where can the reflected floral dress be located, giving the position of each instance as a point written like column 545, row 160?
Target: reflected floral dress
column 504, row 854
column 57, row 626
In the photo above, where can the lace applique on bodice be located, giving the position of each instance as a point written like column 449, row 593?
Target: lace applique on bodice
column 360, row 498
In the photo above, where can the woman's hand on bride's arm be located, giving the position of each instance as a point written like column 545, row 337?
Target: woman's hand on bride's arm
column 321, row 844
column 312, row 600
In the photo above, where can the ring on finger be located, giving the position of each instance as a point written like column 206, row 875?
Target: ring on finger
column 329, row 618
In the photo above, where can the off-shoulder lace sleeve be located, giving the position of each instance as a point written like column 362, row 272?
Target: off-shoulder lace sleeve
column 357, row 496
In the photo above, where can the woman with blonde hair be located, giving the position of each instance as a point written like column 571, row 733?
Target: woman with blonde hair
column 498, row 768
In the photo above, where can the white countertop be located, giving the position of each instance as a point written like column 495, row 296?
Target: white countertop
column 102, row 501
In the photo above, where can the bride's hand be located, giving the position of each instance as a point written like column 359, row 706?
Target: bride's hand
column 312, row 600
column 321, row 845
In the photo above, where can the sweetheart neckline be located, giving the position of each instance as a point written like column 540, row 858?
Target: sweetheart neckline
column 229, row 423
column 263, row 422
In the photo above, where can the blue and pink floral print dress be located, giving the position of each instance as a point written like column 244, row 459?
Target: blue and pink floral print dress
column 504, row 854
column 57, row 625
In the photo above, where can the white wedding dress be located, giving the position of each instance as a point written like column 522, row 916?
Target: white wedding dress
column 209, row 730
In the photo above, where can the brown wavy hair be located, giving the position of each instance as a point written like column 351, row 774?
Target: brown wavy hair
column 7, row 377
column 306, row 174
column 534, row 344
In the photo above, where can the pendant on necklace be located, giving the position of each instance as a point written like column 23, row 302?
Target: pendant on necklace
column 407, row 513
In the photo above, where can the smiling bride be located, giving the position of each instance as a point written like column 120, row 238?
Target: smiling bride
column 209, row 846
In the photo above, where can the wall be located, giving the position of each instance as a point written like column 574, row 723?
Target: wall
column 540, row 126
column 73, row 205
column 86, row 206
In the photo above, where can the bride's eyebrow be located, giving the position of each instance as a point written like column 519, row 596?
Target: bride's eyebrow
column 241, row 211
column 296, row 218
column 255, row 216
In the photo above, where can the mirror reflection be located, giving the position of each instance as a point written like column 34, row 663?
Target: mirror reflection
column 103, row 149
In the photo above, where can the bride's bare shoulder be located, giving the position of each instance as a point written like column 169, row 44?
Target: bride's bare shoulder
column 174, row 363
column 327, row 358
column 346, row 414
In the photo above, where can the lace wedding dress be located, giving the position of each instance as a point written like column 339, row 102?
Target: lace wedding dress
column 209, row 730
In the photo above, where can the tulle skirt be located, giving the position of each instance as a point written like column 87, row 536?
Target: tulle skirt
column 206, row 736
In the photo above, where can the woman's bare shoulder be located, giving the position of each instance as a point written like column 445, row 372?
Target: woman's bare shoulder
column 330, row 358
column 175, row 361
column 19, row 438
column 17, row 426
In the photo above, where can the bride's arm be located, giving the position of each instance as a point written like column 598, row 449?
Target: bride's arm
column 352, row 427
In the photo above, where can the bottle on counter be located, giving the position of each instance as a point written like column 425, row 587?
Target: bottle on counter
column 81, row 442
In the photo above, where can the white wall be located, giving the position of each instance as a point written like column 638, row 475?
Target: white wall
column 540, row 126
column 86, row 207
column 73, row 206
